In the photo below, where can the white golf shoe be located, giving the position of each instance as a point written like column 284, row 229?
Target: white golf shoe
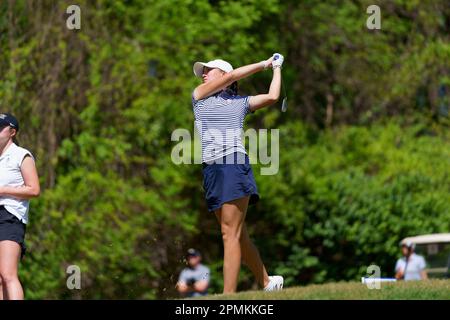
column 275, row 283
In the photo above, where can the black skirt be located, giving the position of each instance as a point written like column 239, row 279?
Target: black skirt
column 11, row 228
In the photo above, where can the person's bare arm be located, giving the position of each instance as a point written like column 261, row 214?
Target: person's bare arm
column 182, row 287
column 267, row 99
column 424, row 275
column 201, row 285
column 30, row 188
column 198, row 286
column 399, row 274
column 206, row 89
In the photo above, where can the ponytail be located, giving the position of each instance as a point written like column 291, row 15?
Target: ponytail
column 233, row 89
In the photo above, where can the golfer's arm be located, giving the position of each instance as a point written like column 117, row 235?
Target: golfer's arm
column 264, row 100
column 245, row 71
column 206, row 89
column 31, row 188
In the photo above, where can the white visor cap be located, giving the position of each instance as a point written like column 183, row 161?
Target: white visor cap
column 218, row 63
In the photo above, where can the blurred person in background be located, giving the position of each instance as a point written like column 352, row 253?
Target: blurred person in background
column 411, row 266
column 194, row 279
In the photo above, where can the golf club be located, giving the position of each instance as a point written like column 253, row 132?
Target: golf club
column 284, row 104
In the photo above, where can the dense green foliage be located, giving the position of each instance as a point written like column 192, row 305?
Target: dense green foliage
column 364, row 154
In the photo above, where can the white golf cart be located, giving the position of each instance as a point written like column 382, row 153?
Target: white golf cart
column 435, row 248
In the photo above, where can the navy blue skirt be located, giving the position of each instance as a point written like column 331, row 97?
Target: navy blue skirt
column 229, row 178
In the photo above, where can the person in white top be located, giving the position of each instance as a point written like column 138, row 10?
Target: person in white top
column 411, row 266
column 19, row 182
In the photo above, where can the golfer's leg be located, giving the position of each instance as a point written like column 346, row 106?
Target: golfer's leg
column 233, row 215
column 9, row 262
column 251, row 257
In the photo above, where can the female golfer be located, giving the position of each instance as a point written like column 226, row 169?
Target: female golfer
column 227, row 175
column 18, row 183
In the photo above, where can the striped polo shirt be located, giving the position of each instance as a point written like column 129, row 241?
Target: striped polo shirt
column 219, row 120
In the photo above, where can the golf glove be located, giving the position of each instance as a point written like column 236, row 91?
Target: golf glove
column 278, row 60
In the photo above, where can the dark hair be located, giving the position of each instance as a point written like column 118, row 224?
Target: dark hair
column 233, row 89
column 14, row 139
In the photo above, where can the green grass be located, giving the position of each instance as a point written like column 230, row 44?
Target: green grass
column 417, row 290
